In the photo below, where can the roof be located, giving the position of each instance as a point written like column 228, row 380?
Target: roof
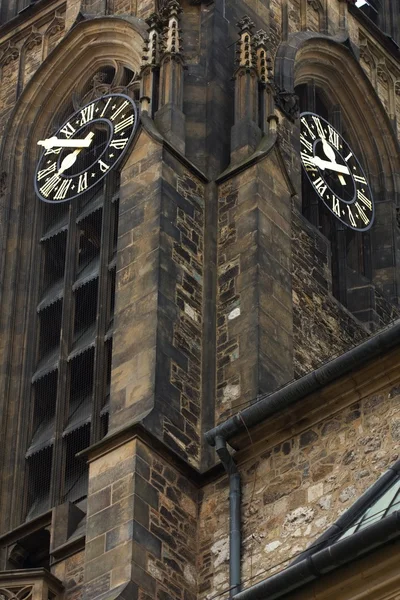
column 371, row 522
column 295, row 391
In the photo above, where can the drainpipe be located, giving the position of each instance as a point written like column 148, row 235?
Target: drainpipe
column 234, row 514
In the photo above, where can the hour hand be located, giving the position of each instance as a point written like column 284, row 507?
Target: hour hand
column 55, row 142
column 331, row 166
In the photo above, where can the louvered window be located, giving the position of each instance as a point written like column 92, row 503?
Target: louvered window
column 70, row 384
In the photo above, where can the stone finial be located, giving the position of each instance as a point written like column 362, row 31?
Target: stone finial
column 264, row 60
column 245, row 25
column 151, row 46
column 245, row 52
column 172, row 40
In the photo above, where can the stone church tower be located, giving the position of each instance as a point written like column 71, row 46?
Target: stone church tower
column 248, row 233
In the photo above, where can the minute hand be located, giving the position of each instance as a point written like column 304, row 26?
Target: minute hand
column 331, row 166
column 60, row 143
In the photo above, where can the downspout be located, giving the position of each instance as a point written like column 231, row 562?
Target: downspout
column 234, row 514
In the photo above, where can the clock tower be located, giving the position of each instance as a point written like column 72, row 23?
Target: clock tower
column 199, row 205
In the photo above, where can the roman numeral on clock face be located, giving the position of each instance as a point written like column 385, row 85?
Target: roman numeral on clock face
column 306, row 159
column 63, row 190
column 45, row 172
column 68, row 130
column 87, row 114
column 351, row 217
column 319, row 127
column 122, row 124
column 362, row 213
column 360, row 179
column 119, row 110
column 364, row 199
column 119, row 144
column 82, row 183
column 50, row 185
column 336, row 206
column 333, row 137
column 103, row 166
column 310, row 131
column 306, row 143
column 320, row 186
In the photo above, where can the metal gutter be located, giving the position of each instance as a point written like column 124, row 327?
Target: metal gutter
column 235, row 533
column 325, row 561
column 312, row 382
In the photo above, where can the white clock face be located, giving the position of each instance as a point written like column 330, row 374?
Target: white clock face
column 84, row 150
column 335, row 173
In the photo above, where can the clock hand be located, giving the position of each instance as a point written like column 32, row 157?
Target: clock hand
column 330, row 153
column 331, row 166
column 59, row 143
column 70, row 159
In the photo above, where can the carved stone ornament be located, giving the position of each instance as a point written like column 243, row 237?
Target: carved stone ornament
column 315, row 5
column 10, row 53
column 397, row 88
column 383, row 73
column 366, row 54
column 288, row 103
column 34, row 39
column 56, row 25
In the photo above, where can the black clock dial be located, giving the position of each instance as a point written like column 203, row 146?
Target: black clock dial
column 335, row 173
column 85, row 148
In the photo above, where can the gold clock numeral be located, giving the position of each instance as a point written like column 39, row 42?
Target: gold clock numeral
column 319, row 127
column 306, row 143
column 333, row 137
column 351, row 217
column 119, row 144
column 306, row 159
column 119, row 110
column 49, row 186
column 68, row 130
column 82, row 183
column 105, row 107
column 53, row 151
column 348, row 157
column 45, row 172
column 362, row 213
column 364, row 199
column 122, row 124
column 305, row 123
column 336, row 206
column 103, row 166
column 63, row 190
column 320, row 186
column 87, row 114
column 360, row 179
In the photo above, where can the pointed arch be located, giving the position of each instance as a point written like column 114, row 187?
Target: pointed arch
column 90, row 45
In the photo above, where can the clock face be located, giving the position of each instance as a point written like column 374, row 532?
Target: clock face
column 335, row 173
column 85, row 148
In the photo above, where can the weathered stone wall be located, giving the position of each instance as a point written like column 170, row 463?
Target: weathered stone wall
column 71, row 572
column 293, row 490
column 323, row 328
column 156, row 370
column 254, row 302
column 141, row 526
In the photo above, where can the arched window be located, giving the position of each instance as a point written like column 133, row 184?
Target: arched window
column 350, row 250
column 71, row 378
